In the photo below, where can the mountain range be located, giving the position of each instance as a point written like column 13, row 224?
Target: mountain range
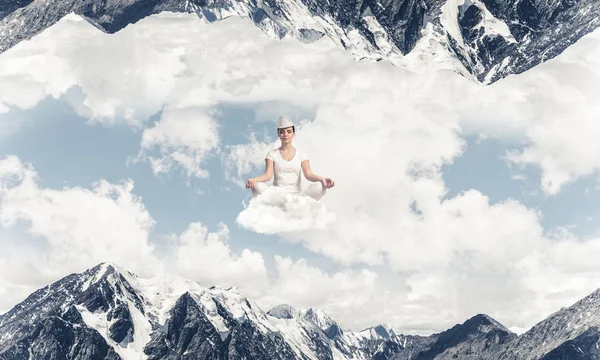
column 107, row 313
column 485, row 40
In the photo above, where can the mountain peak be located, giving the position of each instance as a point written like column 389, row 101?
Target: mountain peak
column 380, row 331
column 318, row 317
column 483, row 320
column 284, row 311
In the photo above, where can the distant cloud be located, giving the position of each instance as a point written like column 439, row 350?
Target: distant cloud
column 519, row 177
column 185, row 138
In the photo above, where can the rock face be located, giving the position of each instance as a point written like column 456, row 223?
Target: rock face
column 107, row 313
column 48, row 324
column 474, row 338
column 571, row 333
column 486, row 39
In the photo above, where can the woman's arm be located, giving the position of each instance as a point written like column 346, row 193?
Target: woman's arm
column 268, row 175
column 311, row 176
column 308, row 174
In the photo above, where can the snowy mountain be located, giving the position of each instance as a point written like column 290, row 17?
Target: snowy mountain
column 109, row 313
column 572, row 333
column 482, row 39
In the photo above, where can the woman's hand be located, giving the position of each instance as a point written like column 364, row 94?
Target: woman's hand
column 250, row 184
column 327, row 183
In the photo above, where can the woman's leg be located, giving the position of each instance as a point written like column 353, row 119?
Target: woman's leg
column 259, row 188
column 315, row 190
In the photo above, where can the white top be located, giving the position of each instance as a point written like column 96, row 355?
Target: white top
column 287, row 174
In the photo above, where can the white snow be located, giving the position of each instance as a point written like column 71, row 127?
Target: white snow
column 492, row 25
column 449, row 19
column 295, row 335
column 96, row 277
column 382, row 39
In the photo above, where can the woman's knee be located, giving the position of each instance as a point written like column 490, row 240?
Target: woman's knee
column 259, row 188
column 316, row 190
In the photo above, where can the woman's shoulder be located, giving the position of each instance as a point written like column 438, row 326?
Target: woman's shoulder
column 271, row 153
column 301, row 154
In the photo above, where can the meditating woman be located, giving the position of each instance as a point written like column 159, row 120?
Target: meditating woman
column 285, row 163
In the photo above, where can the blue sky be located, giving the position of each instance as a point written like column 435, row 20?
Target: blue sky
column 393, row 141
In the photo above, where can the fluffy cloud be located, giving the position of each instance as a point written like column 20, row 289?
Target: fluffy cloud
column 275, row 212
column 131, row 83
column 185, row 138
column 80, row 227
column 207, row 258
column 341, row 293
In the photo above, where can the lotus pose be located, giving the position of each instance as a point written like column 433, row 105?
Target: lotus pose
column 285, row 163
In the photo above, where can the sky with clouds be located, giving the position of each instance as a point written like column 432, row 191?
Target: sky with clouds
column 451, row 199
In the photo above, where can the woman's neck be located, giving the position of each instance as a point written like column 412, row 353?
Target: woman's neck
column 286, row 147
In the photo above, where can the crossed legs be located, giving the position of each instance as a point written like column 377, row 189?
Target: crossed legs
column 259, row 188
column 316, row 190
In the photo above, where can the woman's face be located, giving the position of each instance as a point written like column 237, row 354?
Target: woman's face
column 285, row 135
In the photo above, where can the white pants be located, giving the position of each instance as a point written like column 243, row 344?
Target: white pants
column 316, row 190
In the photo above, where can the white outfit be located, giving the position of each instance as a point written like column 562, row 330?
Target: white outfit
column 288, row 175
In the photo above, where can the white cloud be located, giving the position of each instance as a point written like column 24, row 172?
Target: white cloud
column 241, row 159
column 275, row 212
column 119, row 76
column 185, row 137
column 207, row 258
column 80, row 227
column 342, row 293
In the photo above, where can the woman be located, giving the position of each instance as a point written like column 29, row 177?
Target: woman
column 285, row 163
